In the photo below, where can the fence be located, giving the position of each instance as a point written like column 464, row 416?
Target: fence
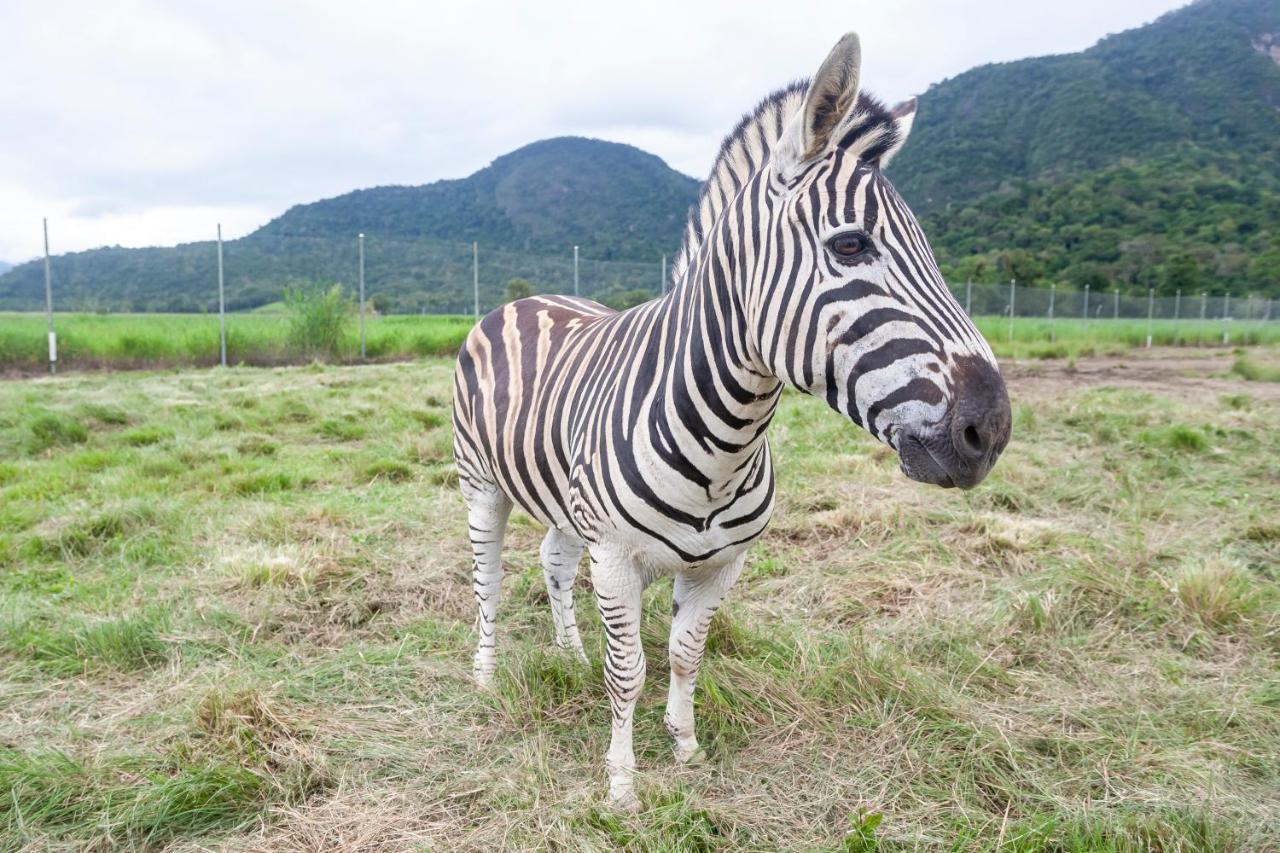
column 1181, row 318
column 439, row 277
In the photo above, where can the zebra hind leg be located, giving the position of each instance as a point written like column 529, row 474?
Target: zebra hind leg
column 561, row 554
column 487, row 513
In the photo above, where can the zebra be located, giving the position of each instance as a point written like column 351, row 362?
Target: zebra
column 641, row 435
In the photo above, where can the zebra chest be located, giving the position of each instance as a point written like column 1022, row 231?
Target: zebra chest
column 671, row 521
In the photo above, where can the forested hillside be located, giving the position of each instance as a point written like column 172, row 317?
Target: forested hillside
column 623, row 207
column 1148, row 160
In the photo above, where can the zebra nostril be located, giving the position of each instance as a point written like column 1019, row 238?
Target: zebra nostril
column 972, row 439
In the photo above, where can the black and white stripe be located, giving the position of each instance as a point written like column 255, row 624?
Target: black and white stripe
column 641, row 435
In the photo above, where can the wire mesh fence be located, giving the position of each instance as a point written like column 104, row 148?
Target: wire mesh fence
column 430, row 276
column 1195, row 317
column 421, row 276
column 1094, row 305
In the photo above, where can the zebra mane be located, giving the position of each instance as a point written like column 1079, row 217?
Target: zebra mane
column 748, row 146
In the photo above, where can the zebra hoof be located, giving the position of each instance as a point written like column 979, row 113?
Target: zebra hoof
column 625, row 801
column 483, row 678
column 694, row 756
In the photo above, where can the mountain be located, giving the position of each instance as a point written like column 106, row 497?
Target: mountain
column 1148, row 160
column 615, row 201
column 623, row 207
column 5, row 267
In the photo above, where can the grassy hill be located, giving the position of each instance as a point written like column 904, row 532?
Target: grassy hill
column 615, row 201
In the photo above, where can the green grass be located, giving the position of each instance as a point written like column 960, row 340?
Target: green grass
column 1246, row 368
column 1039, row 338
column 263, row 337
column 235, row 611
column 188, row 340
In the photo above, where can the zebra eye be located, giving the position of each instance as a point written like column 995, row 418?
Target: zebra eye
column 848, row 245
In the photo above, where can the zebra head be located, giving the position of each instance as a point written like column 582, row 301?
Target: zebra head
column 849, row 302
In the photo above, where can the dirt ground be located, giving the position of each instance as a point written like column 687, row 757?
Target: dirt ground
column 1178, row 372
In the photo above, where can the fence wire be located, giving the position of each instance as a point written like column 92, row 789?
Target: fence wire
column 420, row 276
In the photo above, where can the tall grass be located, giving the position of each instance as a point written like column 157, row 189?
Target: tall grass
column 318, row 320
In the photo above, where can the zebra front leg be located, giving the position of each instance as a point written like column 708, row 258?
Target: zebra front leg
column 696, row 599
column 487, row 521
column 561, row 554
column 618, row 589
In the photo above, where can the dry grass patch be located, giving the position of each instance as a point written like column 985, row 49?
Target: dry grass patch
column 269, row 646
column 1219, row 593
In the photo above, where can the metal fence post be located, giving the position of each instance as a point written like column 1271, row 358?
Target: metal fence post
column 48, row 304
column 1226, row 314
column 1116, row 313
column 1086, row 311
column 1204, row 301
column 1053, row 334
column 1177, row 316
column 664, row 275
column 475, row 275
column 222, row 305
column 968, row 298
column 1013, row 283
column 360, row 252
column 1151, row 313
column 575, row 270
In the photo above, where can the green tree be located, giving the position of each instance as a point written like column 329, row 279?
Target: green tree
column 518, row 288
column 621, row 300
column 1181, row 272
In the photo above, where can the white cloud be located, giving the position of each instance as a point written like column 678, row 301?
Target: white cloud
column 138, row 122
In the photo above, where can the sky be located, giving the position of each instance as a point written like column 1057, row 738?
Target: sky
column 141, row 123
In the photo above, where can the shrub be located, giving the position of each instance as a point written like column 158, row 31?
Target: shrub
column 318, row 320
column 49, row 429
column 518, row 288
column 1250, row 370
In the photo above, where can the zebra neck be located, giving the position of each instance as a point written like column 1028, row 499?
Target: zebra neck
column 718, row 397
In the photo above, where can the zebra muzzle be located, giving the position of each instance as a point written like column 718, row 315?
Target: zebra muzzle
column 962, row 449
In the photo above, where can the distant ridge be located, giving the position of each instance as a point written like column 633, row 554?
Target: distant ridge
column 1196, row 77
column 1150, row 160
column 614, row 201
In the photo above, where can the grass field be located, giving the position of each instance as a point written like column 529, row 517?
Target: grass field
column 235, row 612
column 1034, row 337
column 132, row 341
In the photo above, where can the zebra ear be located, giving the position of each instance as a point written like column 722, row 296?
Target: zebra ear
column 904, row 115
column 832, row 95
